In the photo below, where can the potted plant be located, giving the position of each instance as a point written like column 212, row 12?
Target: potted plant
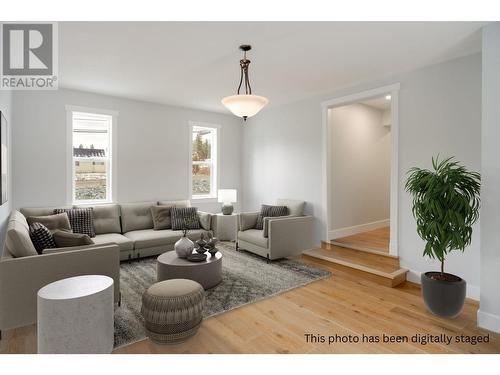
column 445, row 205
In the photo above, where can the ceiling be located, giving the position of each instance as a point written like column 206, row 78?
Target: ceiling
column 196, row 64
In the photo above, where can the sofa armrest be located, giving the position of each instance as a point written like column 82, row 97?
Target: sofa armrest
column 205, row 220
column 290, row 235
column 247, row 220
column 21, row 278
column 267, row 220
column 72, row 248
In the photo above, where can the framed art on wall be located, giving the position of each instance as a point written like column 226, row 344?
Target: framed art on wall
column 4, row 159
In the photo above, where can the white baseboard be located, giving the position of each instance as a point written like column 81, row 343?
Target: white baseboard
column 349, row 231
column 488, row 321
column 472, row 290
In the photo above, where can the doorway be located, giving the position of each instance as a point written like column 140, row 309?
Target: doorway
column 360, row 169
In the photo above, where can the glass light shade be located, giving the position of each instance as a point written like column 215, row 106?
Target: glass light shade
column 245, row 105
column 226, row 196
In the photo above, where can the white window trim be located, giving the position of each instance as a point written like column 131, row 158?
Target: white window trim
column 215, row 176
column 69, row 157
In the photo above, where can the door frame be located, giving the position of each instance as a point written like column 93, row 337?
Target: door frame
column 392, row 90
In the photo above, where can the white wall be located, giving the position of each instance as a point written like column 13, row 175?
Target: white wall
column 152, row 153
column 439, row 112
column 360, row 159
column 489, row 312
column 6, row 108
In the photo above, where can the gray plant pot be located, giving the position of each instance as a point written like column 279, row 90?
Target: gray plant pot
column 443, row 298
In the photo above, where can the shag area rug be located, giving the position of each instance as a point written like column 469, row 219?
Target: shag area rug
column 246, row 278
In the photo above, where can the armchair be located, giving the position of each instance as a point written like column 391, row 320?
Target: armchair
column 281, row 237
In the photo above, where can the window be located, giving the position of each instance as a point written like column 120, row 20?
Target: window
column 91, row 164
column 203, row 162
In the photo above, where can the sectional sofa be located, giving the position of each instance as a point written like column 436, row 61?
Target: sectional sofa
column 123, row 232
column 130, row 226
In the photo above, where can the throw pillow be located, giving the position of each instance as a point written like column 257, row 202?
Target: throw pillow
column 52, row 222
column 68, row 239
column 41, row 237
column 205, row 220
column 162, row 218
column 184, row 218
column 81, row 219
column 269, row 211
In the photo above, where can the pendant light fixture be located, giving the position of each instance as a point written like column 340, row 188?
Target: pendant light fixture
column 245, row 105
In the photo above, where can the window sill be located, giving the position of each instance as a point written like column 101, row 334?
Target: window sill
column 91, row 203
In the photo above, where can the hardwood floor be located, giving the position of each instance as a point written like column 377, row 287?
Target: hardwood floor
column 340, row 305
column 377, row 239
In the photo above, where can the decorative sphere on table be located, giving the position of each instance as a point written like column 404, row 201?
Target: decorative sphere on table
column 184, row 247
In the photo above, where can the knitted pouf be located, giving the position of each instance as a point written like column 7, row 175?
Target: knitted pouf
column 172, row 310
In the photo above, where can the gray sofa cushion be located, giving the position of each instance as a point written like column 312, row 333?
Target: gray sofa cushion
column 125, row 244
column 162, row 219
column 295, row 207
column 17, row 239
column 136, row 216
column 52, row 221
column 152, row 238
column 68, row 239
column 178, row 203
column 106, row 218
column 40, row 211
column 254, row 236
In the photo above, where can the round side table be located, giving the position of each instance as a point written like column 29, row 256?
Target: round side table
column 75, row 315
column 207, row 273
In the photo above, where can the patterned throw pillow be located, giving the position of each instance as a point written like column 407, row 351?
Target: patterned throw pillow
column 41, row 237
column 269, row 211
column 185, row 216
column 81, row 219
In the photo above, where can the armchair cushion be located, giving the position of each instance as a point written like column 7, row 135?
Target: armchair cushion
column 254, row 236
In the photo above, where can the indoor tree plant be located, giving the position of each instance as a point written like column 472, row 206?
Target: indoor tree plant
column 445, row 205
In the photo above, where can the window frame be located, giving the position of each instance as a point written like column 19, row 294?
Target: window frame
column 110, row 161
column 214, row 175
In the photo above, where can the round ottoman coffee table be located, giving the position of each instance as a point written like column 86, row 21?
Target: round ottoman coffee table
column 208, row 273
column 76, row 315
column 172, row 310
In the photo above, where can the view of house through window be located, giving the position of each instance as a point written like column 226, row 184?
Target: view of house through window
column 91, row 157
column 204, row 165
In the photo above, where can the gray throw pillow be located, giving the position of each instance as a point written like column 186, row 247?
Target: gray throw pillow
column 51, row 222
column 41, row 237
column 81, row 219
column 162, row 218
column 269, row 211
column 69, row 239
column 185, row 218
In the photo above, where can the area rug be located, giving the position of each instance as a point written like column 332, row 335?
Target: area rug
column 246, row 278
